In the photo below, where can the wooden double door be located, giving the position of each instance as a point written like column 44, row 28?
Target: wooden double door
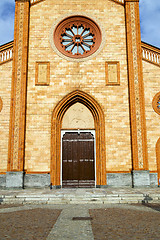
column 78, row 160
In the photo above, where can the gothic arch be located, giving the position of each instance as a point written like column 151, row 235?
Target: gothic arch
column 158, row 159
column 56, row 124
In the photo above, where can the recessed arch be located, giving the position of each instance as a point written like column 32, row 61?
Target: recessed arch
column 78, row 116
column 56, row 125
column 158, row 159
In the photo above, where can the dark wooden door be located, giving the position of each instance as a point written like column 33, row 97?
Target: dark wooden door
column 78, row 165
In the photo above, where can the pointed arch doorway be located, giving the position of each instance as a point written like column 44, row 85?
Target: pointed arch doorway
column 56, row 142
column 78, row 158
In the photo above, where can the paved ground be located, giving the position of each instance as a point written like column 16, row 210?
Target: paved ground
column 109, row 221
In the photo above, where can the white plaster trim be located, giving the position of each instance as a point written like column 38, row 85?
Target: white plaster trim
column 84, row 15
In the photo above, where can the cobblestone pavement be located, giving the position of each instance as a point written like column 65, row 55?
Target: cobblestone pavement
column 109, row 221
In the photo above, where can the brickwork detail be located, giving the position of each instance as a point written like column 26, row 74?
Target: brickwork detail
column 151, row 75
column 158, row 159
column 5, row 95
column 18, row 92
column 1, row 104
column 18, row 88
column 42, row 76
column 136, row 86
column 112, row 73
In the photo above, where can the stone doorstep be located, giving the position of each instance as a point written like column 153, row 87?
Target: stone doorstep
column 129, row 202
column 138, row 198
column 8, row 197
column 131, row 194
column 70, row 201
column 86, row 196
column 35, row 199
column 79, row 198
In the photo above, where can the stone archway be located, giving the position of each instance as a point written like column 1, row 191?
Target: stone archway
column 56, row 125
column 158, row 159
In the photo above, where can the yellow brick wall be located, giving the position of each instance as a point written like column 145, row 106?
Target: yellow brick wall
column 5, row 94
column 66, row 76
column 151, row 75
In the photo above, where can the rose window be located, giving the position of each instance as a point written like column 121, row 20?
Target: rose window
column 156, row 103
column 77, row 37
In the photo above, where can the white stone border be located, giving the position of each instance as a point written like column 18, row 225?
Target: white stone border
column 77, row 14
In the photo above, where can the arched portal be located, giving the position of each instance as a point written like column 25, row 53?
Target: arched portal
column 56, row 126
column 158, row 159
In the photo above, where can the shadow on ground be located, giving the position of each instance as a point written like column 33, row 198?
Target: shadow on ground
column 154, row 206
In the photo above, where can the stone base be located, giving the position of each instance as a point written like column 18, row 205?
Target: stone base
column 136, row 179
column 153, row 179
column 119, row 179
column 36, row 180
column 141, row 178
column 2, row 180
column 101, row 186
column 14, row 180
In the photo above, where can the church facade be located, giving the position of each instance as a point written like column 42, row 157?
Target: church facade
column 79, row 97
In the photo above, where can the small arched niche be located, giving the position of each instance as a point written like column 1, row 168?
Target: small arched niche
column 78, row 116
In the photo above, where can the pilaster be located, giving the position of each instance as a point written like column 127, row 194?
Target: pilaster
column 136, row 88
column 19, row 84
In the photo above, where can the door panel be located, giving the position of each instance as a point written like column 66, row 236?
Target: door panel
column 78, row 166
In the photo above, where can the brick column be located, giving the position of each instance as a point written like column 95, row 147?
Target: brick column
column 18, row 95
column 136, row 91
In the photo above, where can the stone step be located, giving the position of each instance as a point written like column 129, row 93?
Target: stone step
column 60, row 199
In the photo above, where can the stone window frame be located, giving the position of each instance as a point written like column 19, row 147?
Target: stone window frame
column 70, row 28
column 155, row 103
column 37, row 83
column 77, row 13
column 118, row 73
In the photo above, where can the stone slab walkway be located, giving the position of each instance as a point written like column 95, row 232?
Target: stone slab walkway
column 73, row 229
column 80, row 196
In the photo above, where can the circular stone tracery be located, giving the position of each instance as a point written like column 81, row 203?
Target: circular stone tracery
column 156, row 103
column 77, row 37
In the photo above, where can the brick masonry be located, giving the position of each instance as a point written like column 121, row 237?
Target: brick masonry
column 5, row 94
column 88, row 76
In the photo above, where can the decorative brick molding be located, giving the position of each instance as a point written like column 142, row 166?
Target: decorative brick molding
column 42, row 76
column 18, row 94
column 56, row 125
column 1, row 104
column 112, row 73
column 156, row 103
column 6, row 52
column 33, row 2
column 158, row 159
column 136, row 88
